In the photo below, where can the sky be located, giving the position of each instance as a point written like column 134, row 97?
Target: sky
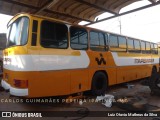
column 144, row 24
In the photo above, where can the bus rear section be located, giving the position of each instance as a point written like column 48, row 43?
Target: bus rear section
column 38, row 65
column 14, row 57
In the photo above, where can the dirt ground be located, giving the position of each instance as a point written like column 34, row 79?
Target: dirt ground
column 139, row 99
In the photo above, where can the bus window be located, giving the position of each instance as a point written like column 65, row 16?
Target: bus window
column 34, row 32
column 155, row 49
column 143, row 47
column 130, row 45
column 148, row 47
column 122, row 43
column 152, row 46
column 54, row 35
column 113, row 41
column 106, row 36
column 101, row 39
column 79, row 38
column 97, row 41
column 137, row 45
column 18, row 32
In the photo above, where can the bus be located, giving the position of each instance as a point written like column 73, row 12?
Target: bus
column 159, row 49
column 49, row 57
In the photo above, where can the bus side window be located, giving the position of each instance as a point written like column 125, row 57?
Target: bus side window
column 130, row 45
column 154, row 48
column 148, row 47
column 78, row 38
column 113, row 42
column 54, row 35
column 143, row 47
column 137, row 46
column 97, row 41
column 122, row 43
column 107, row 42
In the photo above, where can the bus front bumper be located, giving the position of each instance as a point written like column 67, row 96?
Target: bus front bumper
column 14, row 91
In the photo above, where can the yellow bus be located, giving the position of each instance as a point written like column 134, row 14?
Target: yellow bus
column 49, row 57
column 159, row 49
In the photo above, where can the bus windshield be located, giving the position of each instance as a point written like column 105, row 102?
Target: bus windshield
column 18, row 32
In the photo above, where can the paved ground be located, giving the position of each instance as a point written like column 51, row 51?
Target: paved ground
column 139, row 99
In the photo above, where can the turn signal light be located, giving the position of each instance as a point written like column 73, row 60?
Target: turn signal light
column 20, row 83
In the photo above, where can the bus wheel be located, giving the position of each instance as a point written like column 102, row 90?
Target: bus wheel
column 99, row 84
column 154, row 83
column 154, row 70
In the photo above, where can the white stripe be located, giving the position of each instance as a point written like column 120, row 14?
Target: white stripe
column 46, row 62
column 127, row 61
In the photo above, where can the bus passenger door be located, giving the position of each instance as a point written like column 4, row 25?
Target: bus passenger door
column 79, row 72
column 79, row 60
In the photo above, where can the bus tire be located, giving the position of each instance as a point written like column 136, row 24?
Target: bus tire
column 154, row 83
column 99, row 83
column 154, row 80
column 154, row 70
